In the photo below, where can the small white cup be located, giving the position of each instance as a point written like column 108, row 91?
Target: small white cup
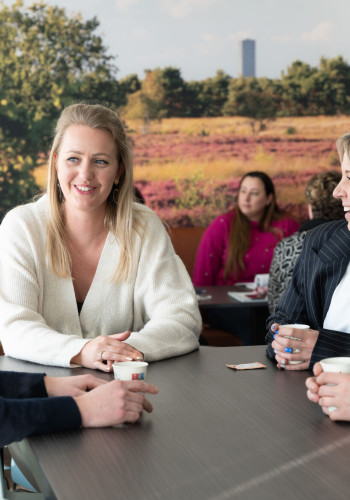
column 261, row 280
column 130, row 370
column 335, row 365
column 299, row 327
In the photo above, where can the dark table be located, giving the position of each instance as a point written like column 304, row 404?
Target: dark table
column 214, row 434
column 244, row 319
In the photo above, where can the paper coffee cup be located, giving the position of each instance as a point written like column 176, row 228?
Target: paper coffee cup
column 130, row 370
column 261, row 280
column 335, row 365
column 298, row 327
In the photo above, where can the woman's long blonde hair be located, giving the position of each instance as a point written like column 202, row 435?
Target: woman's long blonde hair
column 120, row 217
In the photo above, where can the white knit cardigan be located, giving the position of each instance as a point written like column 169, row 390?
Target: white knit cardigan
column 39, row 320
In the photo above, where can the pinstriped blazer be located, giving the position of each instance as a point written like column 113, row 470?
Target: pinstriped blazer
column 318, row 271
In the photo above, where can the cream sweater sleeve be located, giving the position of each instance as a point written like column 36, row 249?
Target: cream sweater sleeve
column 39, row 321
column 24, row 332
column 166, row 315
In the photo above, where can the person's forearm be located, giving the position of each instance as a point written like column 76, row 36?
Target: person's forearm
column 24, row 417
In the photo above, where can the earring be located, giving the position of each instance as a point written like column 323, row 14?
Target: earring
column 59, row 192
column 115, row 195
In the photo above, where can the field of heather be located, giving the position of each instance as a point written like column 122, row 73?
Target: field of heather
column 188, row 169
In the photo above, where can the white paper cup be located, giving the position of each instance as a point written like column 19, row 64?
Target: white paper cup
column 261, row 280
column 335, row 365
column 299, row 327
column 130, row 370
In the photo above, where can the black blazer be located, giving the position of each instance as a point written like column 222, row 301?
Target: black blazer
column 319, row 269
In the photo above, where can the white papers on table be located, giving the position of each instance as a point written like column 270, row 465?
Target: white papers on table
column 244, row 297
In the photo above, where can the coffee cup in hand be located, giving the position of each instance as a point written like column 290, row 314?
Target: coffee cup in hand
column 335, row 365
column 298, row 327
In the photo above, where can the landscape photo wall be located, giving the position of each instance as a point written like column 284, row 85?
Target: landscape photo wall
column 189, row 169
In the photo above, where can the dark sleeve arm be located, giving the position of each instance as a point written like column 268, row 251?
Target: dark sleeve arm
column 330, row 344
column 17, row 385
column 20, row 418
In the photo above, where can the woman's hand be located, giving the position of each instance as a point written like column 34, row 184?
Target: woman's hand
column 71, row 386
column 101, row 352
column 284, row 347
column 330, row 390
column 312, row 385
column 114, row 403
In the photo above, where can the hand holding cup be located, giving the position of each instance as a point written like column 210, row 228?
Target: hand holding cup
column 293, row 345
column 330, row 387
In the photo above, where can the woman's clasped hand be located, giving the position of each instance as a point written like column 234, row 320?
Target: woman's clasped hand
column 331, row 391
column 114, row 403
column 101, row 352
column 293, row 347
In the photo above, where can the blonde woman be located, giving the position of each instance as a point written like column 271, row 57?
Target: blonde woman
column 89, row 277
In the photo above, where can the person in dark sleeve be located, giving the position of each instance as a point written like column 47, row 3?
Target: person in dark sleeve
column 318, row 293
column 33, row 403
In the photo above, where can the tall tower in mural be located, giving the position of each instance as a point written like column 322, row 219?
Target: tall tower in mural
column 247, row 58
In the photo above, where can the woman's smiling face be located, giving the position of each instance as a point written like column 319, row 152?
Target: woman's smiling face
column 87, row 167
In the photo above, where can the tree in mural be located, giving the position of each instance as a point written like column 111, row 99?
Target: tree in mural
column 47, row 60
column 163, row 94
column 252, row 98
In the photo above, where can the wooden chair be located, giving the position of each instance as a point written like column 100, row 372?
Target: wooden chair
column 186, row 241
column 214, row 337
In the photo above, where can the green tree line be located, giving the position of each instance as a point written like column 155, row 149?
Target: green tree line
column 302, row 90
column 49, row 59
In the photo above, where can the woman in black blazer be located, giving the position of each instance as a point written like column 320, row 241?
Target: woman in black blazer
column 320, row 269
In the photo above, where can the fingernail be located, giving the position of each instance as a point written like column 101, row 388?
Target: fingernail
column 129, row 359
column 139, row 357
column 288, row 349
column 277, row 332
column 275, row 351
column 274, row 336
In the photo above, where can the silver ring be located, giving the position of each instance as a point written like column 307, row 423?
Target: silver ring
column 101, row 359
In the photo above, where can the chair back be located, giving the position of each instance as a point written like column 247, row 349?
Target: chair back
column 185, row 241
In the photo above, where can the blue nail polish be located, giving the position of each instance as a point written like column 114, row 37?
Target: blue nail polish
column 288, row 349
column 274, row 336
column 277, row 332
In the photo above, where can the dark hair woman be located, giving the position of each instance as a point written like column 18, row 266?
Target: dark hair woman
column 239, row 244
